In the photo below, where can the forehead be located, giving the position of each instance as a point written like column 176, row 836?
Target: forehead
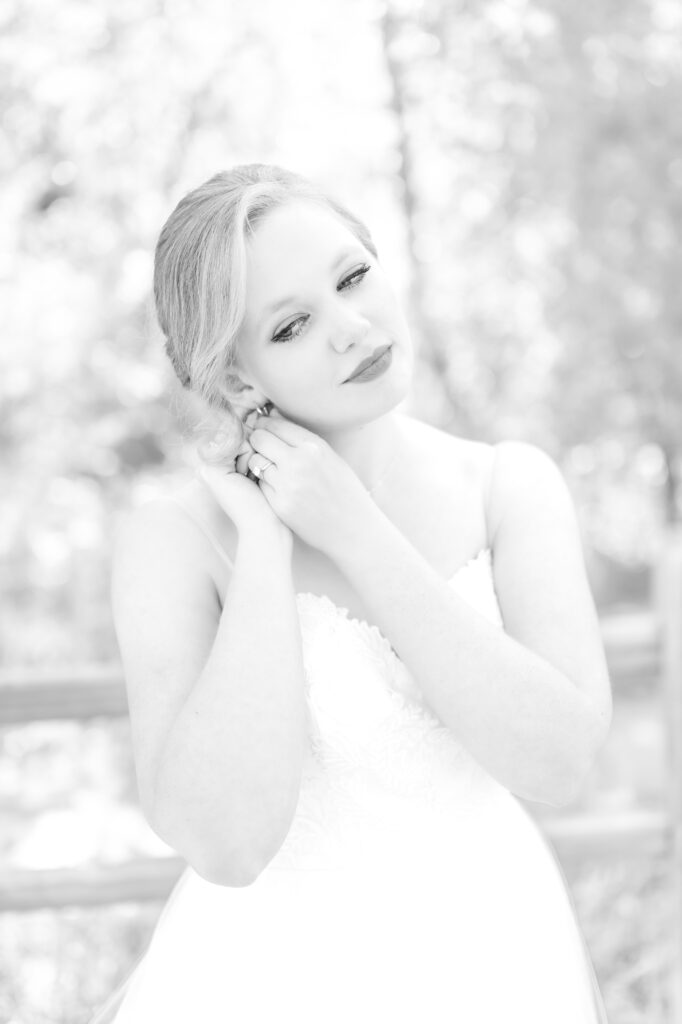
column 298, row 232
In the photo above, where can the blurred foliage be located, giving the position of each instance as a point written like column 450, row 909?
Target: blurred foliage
column 519, row 163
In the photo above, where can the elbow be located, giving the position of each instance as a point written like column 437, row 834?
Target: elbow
column 222, row 864
column 212, row 858
column 557, row 789
column 231, row 867
column 220, row 855
column 565, row 793
column 227, row 872
column 570, row 783
column 552, row 790
column 227, row 865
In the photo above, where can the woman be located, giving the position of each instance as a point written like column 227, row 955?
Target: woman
column 349, row 644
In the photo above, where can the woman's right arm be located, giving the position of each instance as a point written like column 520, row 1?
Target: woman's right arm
column 216, row 699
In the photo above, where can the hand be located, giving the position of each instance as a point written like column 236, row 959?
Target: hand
column 311, row 489
column 241, row 499
column 245, row 452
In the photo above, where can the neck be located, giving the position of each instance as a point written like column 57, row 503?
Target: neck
column 370, row 449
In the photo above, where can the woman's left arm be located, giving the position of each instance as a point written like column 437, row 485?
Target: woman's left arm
column 532, row 703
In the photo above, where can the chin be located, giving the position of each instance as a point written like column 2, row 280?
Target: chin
column 387, row 402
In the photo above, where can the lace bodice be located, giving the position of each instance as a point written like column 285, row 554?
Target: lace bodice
column 379, row 762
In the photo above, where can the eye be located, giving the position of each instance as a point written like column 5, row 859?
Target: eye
column 291, row 330
column 355, row 278
column 296, row 327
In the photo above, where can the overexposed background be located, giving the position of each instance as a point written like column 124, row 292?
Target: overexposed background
column 520, row 165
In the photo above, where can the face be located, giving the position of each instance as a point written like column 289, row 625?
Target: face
column 318, row 304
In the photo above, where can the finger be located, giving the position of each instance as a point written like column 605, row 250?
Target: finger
column 274, row 448
column 292, row 433
column 267, row 489
column 257, row 468
column 211, row 475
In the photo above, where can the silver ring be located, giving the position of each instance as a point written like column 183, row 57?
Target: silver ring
column 259, row 471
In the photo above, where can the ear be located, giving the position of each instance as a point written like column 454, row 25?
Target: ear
column 242, row 395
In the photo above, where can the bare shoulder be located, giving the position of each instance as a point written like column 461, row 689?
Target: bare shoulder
column 159, row 569
column 157, row 524
column 523, row 477
column 175, row 526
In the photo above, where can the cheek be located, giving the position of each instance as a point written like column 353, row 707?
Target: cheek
column 384, row 298
column 287, row 378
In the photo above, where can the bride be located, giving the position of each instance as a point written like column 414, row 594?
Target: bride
column 350, row 643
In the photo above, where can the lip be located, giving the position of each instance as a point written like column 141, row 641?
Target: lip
column 366, row 363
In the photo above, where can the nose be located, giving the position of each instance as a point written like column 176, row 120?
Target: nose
column 349, row 326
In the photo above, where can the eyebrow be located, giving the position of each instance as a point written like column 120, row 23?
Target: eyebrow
column 274, row 307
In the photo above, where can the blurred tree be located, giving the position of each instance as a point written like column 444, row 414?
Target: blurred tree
column 539, row 150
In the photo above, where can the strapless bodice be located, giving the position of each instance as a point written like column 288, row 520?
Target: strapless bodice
column 380, row 768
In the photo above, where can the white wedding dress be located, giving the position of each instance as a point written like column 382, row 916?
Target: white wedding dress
column 412, row 886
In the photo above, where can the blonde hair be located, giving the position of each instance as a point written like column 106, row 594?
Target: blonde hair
column 199, row 289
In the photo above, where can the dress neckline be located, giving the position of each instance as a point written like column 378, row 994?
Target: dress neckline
column 484, row 557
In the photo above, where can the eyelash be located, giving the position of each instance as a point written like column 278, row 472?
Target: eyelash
column 293, row 329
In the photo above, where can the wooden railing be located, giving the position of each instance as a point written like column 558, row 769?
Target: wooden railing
column 643, row 648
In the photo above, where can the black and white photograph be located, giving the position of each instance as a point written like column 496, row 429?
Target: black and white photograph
column 341, row 546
